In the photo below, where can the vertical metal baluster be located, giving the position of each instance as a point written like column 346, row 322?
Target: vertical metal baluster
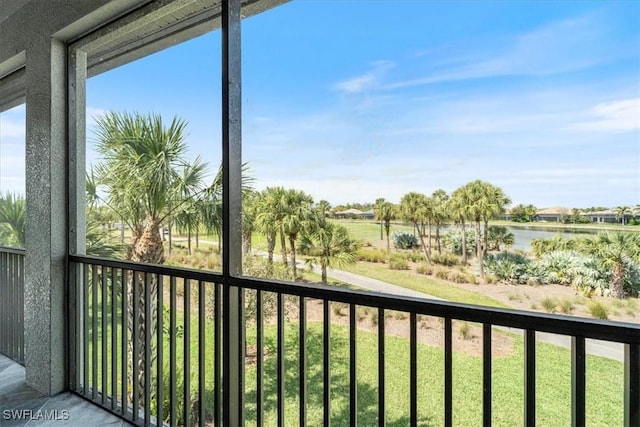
column 381, row 369
column 326, row 362
column 353, row 372
column 530, row 377
column 21, row 308
column 172, row 352
column 5, row 297
column 201, row 351
column 631, row 385
column 103, row 345
column 114, row 338
column 85, row 330
column 259, row 359
column 281, row 367
column 160, row 346
column 578, row 384
column 187, row 352
column 124, row 333
column 303, row 361
column 148, row 278
column 217, row 343
column 94, row 332
column 448, row 374
column 486, row 374
column 136, row 343
column 413, row 370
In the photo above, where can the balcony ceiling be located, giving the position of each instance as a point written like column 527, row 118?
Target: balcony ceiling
column 112, row 32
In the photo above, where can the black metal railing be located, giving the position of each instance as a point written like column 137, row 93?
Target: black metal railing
column 306, row 353
column 12, row 303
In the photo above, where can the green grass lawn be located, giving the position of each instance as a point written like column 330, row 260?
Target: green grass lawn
column 604, row 387
column 422, row 284
column 368, row 230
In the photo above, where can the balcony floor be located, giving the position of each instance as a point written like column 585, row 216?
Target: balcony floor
column 16, row 395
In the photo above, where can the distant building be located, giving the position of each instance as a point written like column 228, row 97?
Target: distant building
column 355, row 214
column 555, row 214
column 607, row 216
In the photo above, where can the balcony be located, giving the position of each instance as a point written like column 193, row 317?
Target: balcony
column 121, row 342
column 294, row 356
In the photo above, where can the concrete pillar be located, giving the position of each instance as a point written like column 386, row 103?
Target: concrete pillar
column 46, row 230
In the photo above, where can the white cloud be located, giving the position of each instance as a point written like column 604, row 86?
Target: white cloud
column 616, row 116
column 366, row 81
column 556, row 47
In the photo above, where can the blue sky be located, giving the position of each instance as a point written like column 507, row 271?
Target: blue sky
column 355, row 100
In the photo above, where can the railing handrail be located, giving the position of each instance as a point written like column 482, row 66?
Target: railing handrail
column 10, row 250
column 621, row 332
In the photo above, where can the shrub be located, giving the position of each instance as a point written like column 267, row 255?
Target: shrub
column 441, row 273
column 566, row 305
column 447, row 259
column 461, row 277
column 371, row 255
column 453, row 241
column 424, row 268
column 414, row 257
column 465, row 331
column 508, row 266
column 491, row 278
column 404, row 240
column 549, row 304
column 598, row 310
column 398, row 263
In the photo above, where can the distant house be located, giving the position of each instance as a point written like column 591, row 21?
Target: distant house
column 355, row 214
column 607, row 216
column 555, row 214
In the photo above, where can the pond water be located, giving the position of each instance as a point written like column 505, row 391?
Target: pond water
column 524, row 234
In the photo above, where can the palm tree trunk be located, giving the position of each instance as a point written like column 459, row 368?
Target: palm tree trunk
column 387, row 229
column 189, row 239
column 424, row 247
column 271, row 245
column 464, row 241
column 616, row 286
column 170, row 239
column 323, row 265
column 283, row 247
column 438, row 238
column 147, row 248
column 292, row 244
column 429, row 238
column 197, row 239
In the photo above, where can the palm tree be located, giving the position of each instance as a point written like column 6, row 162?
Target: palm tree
column 385, row 211
column 459, row 209
column 622, row 212
column 614, row 251
column 269, row 222
column 141, row 158
column 440, row 200
column 250, row 206
column 499, row 235
column 296, row 214
column 413, row 208
column 485, row 202
column 13, row 214
column 332, row 243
